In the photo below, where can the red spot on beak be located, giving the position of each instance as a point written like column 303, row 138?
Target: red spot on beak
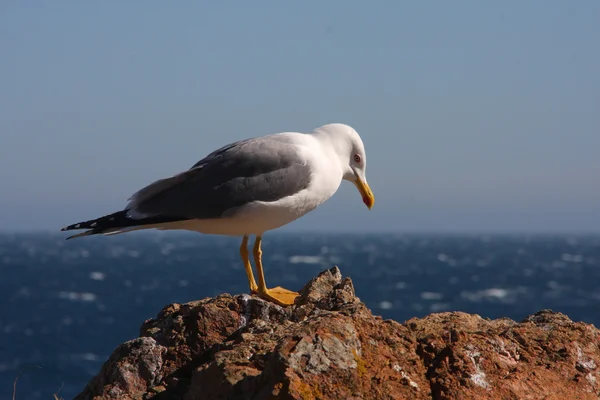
column 368, row 201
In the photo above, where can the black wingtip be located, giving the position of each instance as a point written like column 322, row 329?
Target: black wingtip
column 114, row 221
column 85, row 233
column 79, row 225
column 91, row 224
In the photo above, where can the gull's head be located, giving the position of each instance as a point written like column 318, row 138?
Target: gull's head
column 349, row 148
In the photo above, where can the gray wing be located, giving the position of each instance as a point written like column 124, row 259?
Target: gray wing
column 260, row 169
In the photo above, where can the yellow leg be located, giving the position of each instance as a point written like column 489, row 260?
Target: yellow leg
column 247, row 266
column 277, row 295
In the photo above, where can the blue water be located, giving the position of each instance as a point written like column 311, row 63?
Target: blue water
column 65, row 305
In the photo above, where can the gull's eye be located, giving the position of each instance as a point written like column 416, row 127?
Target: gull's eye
column 357, row 158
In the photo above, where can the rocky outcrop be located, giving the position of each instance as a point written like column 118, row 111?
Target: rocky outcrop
column 330, row 346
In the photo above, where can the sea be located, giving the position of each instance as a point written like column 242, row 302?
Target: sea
column 65, row 305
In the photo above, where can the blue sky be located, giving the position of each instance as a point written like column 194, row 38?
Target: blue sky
column 476, row 116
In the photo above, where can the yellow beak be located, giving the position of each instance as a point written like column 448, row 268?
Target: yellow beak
column 365, row 191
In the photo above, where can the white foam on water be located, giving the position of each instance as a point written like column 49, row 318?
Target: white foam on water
column 438, row 307
column 167, row 248
column 431, row 296
column 496, row 292
column 573, row 258
column 97, row 276
column 89, row 357
column 445, row 258
column 305, row 259
column 85, row 356
column 386, row 305
column 493, row 294
column 78, row 296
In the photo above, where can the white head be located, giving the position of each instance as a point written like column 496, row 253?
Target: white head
column 350, row 150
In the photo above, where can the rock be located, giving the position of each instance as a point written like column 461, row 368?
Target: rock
column 330, row 346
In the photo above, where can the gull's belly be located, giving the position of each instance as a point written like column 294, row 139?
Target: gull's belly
column 257, row 221
column 256, row 218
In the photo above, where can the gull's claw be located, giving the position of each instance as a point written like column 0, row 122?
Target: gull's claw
column 279, row 295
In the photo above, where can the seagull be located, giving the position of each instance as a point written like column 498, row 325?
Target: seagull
column 246, row 188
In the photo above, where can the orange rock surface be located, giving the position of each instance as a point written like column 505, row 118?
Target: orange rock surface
column 330, row 346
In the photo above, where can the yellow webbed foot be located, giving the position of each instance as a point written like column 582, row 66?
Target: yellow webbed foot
column 279, row 295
